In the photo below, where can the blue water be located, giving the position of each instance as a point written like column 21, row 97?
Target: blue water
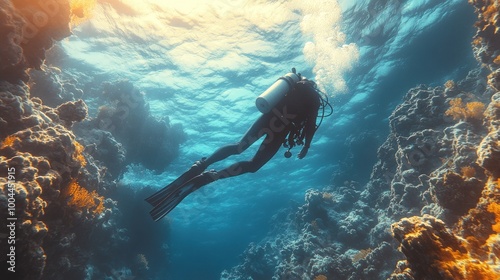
column 204, row 68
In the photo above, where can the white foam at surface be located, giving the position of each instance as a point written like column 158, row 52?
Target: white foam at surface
column 327, row 50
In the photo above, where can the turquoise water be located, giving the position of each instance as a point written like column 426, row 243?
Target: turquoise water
column 204, row 65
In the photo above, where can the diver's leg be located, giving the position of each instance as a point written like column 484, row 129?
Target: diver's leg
column 175, row 195
column 267, row 150
column 256, row 131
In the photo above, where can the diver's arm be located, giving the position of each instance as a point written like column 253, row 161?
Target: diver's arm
column 310, row 129
column 303, row 152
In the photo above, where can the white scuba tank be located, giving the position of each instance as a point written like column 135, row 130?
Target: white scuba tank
column 269, row 98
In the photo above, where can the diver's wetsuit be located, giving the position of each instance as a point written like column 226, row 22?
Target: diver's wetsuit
column 298, row 108
column 301, row 105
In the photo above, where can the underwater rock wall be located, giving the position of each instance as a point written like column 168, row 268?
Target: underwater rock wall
column 50, row 85
column 431, row 208
column 28, row 28
column 48, row 183
column 465, row 244
column 126, row 116
column 54, row 186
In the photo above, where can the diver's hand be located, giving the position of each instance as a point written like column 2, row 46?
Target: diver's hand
column 303, row 152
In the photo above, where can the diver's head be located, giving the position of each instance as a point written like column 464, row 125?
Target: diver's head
column 309, row 82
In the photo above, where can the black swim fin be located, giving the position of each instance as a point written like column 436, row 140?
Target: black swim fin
column 172, row 198
column 175, row 194
column 160, row 195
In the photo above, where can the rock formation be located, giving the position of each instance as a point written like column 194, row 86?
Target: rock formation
column 435, row 190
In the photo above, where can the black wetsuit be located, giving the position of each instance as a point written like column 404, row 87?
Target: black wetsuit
column 298, row 108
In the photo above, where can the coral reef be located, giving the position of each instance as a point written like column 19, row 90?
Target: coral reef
column 53, row 86
column 476, row 256
column 436, row 184
column 109, row 155
column 471, row 110
column 71, row 112
column 489, row 149
column 146, row 140
column 49, row 183
column 321, row 239
column 45, row 157
column 28, row 28
column 61, row 187
column 434, row 252
column 83, row 200
column 53, row 212
column 121, row 131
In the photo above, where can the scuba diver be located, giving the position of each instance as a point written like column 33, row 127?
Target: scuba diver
column 290, row 109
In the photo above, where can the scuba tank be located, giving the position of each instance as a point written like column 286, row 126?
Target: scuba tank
column 269, row 98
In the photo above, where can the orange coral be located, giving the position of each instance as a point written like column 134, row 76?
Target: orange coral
column 437, row 253
column 81, row 199
column 472, row 110
column 497, row 60
column 320, row 277
column 9, row 141
column 449, row 84
column 495, row 209
column 327, row 196
column 491, row 11
column 456, row 110
column 468, row 171
column 457, row 265
column 475, row 110
column 79, row 153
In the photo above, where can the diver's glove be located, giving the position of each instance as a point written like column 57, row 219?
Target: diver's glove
column 303, row 152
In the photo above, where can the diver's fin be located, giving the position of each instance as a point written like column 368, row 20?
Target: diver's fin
column 172, row 198
column 174, row 195
column 160, row 195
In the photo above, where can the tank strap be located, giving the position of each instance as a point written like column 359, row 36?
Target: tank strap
column 288, row 80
